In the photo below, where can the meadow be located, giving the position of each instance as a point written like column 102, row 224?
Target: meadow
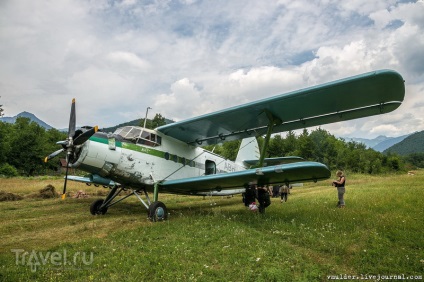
column 379, row 234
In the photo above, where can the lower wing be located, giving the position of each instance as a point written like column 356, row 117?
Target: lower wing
column 92, row 179
column 286, row 173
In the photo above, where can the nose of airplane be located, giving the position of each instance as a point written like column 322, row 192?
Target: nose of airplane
column 75, row 138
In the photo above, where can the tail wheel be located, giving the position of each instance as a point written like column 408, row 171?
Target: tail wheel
column 95, row 207
column 158, row 211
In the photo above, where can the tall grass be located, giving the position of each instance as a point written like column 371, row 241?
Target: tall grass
column 305, row 239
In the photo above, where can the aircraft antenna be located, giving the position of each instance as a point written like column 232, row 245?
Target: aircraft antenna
column 145, row 119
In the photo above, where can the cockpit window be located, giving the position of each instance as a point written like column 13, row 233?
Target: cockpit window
column 139, row 135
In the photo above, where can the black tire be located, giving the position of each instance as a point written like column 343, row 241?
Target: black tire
column 158, row 211
column 95, row 207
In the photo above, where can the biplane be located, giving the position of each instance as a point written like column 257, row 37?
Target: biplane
column 170, row 158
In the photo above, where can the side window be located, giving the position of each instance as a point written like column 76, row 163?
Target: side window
column 149, row 139
column 210, row 167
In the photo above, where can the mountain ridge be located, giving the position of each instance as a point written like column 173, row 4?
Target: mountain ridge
column 29, row 115
column 414, row 143
column 381, row 143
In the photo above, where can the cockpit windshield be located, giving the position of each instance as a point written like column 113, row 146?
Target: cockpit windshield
column 139, row 135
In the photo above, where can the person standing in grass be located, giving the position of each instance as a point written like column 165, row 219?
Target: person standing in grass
column 263, row 198
column 341, row 189
column 284, row 192
column 249, row 196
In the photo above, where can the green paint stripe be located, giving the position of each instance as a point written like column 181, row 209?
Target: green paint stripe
column 149, row 151
column 144, row 150
column 130, row 146
column 105, row 141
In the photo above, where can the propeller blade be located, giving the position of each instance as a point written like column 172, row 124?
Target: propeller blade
column 66, row 180
column 63, row 143
column 85, row 136
column 52, row 155
column 72, row 120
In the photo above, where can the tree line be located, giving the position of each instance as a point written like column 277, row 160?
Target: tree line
column 320, row 146
column 25, row 144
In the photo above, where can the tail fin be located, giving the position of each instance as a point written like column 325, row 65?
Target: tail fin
column 249, row 150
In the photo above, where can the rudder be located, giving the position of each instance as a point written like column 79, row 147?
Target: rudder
column 249, row 150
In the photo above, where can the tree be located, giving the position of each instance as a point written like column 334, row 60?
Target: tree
column 276, row 147
column 306, row 147
column 5, row 133
column 8, row 170
column 157, row 121
column 26, row 146
column 230, row 149
column 416, row 159
column 1, row 110
column 289, row 144
column 52, row 136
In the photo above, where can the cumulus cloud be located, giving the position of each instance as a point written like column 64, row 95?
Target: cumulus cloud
column 181, row 102
column 183, row 58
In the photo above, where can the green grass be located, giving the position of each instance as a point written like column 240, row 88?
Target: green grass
column 306, row 239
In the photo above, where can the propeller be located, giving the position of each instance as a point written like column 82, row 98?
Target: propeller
column 75, row 138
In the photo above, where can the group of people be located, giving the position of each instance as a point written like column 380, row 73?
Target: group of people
column 262, row 193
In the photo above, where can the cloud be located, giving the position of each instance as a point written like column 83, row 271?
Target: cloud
column 127, row 59
column 185, row 58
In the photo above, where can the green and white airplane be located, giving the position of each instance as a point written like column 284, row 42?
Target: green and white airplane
column 169, row 159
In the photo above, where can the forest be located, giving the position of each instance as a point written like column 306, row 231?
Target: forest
column 319, row 145
column 25, row 144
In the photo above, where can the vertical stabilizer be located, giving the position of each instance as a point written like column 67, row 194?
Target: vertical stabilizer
column 249, row 150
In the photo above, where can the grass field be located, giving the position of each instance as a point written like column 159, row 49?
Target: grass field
column 380, row 232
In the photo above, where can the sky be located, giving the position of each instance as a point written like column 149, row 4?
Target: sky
column 184, row 58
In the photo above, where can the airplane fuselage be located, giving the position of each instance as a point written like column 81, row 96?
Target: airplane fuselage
column 140, row 159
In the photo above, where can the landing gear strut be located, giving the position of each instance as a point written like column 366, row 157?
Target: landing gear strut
column 156, row 211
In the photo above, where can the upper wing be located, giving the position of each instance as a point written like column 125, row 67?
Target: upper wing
column 287, row 173
column 364, row 95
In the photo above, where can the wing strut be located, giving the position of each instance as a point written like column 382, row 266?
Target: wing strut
column 273, row 120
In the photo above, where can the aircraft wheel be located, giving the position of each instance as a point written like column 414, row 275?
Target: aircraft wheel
column 158, row 211
column 95, row 207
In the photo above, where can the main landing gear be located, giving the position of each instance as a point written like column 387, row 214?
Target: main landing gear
column 156, row 210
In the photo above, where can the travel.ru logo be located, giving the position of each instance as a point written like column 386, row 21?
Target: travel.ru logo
column 35, row 259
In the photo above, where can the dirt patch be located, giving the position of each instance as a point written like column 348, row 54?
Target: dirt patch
column 5, row 196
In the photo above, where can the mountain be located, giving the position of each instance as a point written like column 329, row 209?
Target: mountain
column 379, row 143
column 414, row 143
column 382, row 146
column 112, row 129
column 136, row 122
column 370, row 143
column 32, row 117
column 402, row 145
